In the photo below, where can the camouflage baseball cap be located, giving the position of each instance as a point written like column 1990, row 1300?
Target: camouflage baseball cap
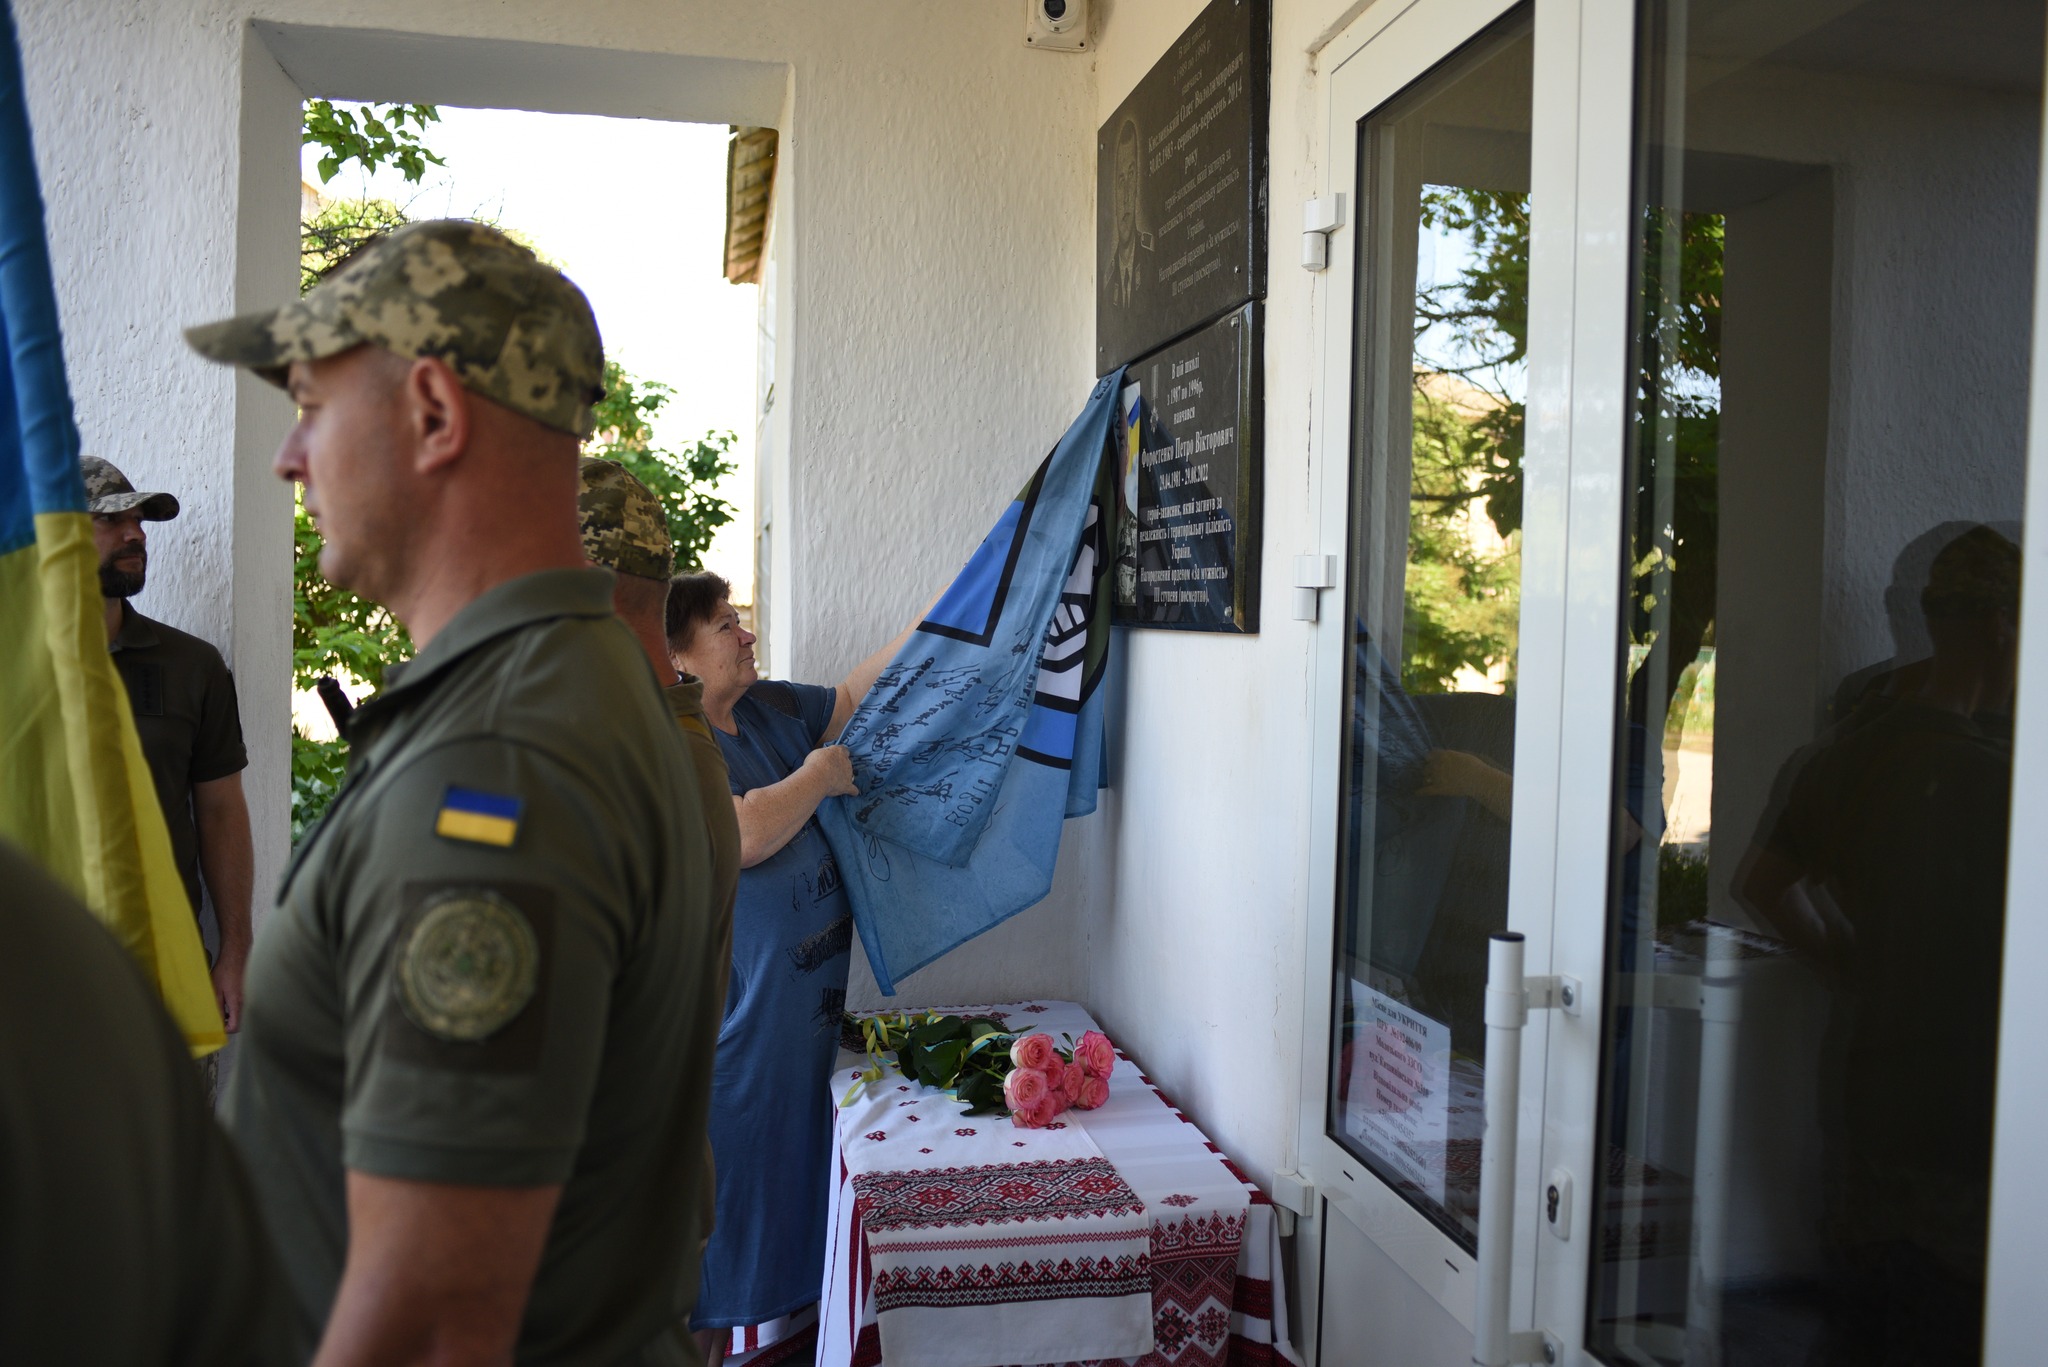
column 512, row 328
column 623, row 525
column 107, row 490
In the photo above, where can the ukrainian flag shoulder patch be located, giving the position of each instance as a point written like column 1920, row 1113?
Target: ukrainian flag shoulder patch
column 478, row 817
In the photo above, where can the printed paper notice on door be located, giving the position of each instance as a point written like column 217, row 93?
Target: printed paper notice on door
column 1397, row 1101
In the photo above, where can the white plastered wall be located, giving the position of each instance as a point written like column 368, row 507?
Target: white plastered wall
column 933, row 251
column 1195, row 960
column 934, row 256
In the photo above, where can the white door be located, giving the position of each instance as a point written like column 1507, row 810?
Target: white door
column 1675, row 391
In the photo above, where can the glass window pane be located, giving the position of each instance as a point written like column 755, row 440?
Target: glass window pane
column 1835, row 216
column 1435, row 594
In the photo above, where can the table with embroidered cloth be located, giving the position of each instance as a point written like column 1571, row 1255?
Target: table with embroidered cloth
column 1115, row 1236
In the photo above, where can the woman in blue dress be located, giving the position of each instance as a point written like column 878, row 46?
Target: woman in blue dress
column 771, row 1111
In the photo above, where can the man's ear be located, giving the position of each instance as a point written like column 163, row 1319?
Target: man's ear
column 438, row 413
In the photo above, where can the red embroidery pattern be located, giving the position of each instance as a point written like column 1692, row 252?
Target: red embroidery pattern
column 877, row 1135
column 969, row 1284
column 1194, row 1288
column 1037, row 1010
column 1178, row 1200
column 963, row 1133
column 997, row 1194
column 800, row 1347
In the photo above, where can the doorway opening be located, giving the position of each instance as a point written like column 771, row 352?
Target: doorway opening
column 635, row 211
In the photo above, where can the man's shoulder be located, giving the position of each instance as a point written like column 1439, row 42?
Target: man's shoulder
column 576, row 694
column 171, row 643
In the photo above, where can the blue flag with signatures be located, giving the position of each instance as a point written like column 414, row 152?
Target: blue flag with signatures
column 985, row 732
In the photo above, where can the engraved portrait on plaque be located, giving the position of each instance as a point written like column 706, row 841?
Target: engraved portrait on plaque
column 1181, row 187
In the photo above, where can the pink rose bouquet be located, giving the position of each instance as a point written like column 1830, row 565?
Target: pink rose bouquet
column 990, row 1071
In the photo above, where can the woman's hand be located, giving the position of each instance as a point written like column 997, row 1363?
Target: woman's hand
column 831, row 767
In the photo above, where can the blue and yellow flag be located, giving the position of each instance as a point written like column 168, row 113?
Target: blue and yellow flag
column 75, row 791
column 985, row 732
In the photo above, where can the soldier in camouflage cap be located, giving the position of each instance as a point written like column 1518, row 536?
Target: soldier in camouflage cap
column 107, row 491
column 624, row 528
column 511, row 327
column 477, row 1056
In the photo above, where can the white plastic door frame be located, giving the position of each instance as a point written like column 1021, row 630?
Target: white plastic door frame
column 2019, row 1169
column 1387, row 49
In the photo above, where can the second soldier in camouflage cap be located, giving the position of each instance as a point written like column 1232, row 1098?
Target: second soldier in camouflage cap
column 511, row 327
column 624, row 529
column 108, row 491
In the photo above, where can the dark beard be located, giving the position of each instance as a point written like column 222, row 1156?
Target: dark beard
column 120, row 583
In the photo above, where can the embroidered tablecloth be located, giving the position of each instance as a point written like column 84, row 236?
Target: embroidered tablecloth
column 1157, row 1252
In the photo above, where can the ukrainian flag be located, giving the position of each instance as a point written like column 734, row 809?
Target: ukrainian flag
column 74, row 788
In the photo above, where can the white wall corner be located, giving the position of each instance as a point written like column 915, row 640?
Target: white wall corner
column 266, row 275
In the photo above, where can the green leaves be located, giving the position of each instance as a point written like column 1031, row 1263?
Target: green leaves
column 681, row 480
column 967, row 1056
column 371, row 135
column 341, row 226
column 317, row 767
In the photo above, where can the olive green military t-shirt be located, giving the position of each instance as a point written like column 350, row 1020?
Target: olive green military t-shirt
column 183, row 698
column 686, row 701
column 128, row 1233
column 495, row 962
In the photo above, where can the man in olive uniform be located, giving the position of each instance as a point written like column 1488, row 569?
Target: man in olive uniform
column 625, row 531
column 479, row 1026
column 130, row 1234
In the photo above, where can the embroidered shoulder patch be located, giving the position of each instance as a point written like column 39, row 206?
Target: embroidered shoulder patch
column 469, row 967
column 478, row 817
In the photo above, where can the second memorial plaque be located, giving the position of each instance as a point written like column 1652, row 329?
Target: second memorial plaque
column 1188, row 537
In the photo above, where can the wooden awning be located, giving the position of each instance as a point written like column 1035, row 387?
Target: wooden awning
column 749, row 188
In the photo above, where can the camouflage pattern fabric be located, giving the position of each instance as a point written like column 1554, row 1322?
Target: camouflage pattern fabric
column 107, row 490
column 512, row 328
column 623, row 526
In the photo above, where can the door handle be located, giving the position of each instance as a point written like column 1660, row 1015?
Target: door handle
column 1509, row 999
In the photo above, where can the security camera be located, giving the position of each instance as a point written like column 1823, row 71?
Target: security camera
column 1059, row 25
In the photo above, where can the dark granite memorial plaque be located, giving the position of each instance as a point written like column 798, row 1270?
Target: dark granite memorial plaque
column 1190, row 443
column 1180, row 175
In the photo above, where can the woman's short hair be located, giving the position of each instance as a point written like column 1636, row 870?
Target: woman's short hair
column 693, row 599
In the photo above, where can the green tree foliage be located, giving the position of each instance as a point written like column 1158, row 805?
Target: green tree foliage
column 341, row 226
column 1483, row 312
column 1675, row 558
column 1462, row 588
column 682, row 480
column 1472, row 332
column 371, row 135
